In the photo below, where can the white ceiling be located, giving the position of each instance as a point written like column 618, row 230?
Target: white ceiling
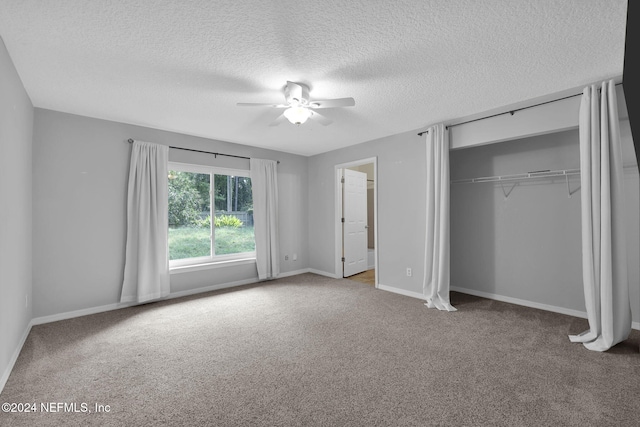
column 182, row 65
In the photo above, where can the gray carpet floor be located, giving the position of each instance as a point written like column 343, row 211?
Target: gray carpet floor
column 312, row 351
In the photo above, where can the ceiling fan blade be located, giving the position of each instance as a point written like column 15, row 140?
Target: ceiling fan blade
column 280, row 119
column 259, row 104
column 331, row 103
column 324, row 121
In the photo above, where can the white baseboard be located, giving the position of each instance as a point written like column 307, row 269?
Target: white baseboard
column 116, row 306
column 14, row 357
column 212, row 288
column 400, row 291
column 525, row 303
column 79, row 313
column 518, row 301
column 294, row 273
column 496, row 297
column 324, row 273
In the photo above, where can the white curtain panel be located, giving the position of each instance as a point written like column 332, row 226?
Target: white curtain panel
column 264, row 182
column 604, row 258
column 146, row 270
column 436, row 263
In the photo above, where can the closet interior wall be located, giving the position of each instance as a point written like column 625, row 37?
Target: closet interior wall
column 523, row 242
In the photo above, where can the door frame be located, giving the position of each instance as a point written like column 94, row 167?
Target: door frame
column 338, row 212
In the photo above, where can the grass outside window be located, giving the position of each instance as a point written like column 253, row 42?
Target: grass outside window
column 193, row 242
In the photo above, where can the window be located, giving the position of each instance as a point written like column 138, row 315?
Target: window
column 199, row 234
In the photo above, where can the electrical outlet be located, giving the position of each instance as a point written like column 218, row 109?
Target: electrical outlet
column 409, row 272
column 286, row 257
column 295, row 257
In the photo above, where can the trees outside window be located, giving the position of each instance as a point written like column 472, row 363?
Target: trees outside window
column 195, row 234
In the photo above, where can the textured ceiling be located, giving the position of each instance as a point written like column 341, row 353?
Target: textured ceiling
column 183, row 65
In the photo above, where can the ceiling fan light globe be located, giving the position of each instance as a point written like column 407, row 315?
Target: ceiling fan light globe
column 297, row 115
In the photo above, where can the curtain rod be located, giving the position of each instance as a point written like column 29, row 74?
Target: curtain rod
column 512, row 112
column 205, row 152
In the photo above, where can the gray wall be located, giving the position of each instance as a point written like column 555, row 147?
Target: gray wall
column 401, row 205
column 528, row 245
column 16, row 127
column 79, row 221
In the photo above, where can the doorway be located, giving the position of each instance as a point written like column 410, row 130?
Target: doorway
column 356, row 204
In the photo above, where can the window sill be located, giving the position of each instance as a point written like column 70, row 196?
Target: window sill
column 210, row 265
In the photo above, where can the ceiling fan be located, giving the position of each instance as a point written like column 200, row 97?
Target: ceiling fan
column 299, row 107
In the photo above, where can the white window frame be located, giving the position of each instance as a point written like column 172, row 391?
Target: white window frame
column 211, row 259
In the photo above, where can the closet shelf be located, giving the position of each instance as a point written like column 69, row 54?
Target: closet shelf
column 528, row 175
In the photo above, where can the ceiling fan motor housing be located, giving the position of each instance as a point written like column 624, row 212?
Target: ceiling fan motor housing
column 296, row 93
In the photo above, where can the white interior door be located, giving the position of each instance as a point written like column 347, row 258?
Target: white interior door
column 354, row 210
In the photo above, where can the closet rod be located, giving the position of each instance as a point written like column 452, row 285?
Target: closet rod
column 512, row 112
column 519, row 176
column 205, row 152
column 527, row 175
